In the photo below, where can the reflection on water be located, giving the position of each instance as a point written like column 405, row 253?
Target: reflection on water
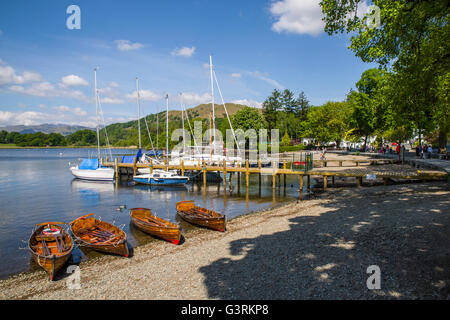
column 36, row 186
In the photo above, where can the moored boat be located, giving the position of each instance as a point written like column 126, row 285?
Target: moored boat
column 145, row 221
column 188, row 211
column 99, row 235
column 50, row 246
column 161, row 177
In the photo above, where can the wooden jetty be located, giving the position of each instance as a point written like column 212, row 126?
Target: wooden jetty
column 283, row 168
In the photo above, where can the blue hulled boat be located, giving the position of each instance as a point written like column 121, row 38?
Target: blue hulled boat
column 162, row 178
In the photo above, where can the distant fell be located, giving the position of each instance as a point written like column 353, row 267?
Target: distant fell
column 47, row 128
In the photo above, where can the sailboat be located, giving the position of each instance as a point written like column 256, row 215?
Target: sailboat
column 208, row 153
column 91, row 169
column 162, row 177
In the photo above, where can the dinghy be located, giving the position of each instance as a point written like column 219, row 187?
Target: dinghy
column 99, row 235
column 188, row 211
column 50, row 246
column 143, row 219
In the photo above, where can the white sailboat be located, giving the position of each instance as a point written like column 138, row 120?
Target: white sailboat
column 162, row 177
column 91, row 169
column 208, row 153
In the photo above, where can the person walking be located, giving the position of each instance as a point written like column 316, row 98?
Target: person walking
column 417, row 152
column 424, row 151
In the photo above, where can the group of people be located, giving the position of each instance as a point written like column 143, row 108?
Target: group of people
column 388, row 149
column 424, row 152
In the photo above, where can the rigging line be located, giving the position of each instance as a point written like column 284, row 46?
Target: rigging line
column 189, row 122
column 104, row 126
column 228, row 117
column 148, row 131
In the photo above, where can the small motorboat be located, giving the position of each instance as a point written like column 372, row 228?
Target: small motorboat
column 188, row 211
column 99, row 235
column 162, row 178
column 50, row 246
column 143, row 219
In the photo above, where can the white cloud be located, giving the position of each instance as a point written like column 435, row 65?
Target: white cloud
column 264, row 77
column 190, row 98
column 144, row 95
column 250, row 103
column 76, row 111
column 109, row 100
column 62, row 108
column 184, row 52
column 46, row 89
column 8, row 76
column 74, row 116
column 236, row 75
column 73, row 81
column 297, row 16
column 127, row 45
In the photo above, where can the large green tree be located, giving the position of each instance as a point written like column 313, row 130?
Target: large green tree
column 413, row 41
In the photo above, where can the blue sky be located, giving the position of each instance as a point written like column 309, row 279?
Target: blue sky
column 46, row 70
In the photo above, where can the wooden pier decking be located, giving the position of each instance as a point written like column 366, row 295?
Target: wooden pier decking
column 322, row 168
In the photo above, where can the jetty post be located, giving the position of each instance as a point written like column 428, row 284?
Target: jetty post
column 225, row 175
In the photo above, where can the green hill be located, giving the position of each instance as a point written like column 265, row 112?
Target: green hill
column 126, row 134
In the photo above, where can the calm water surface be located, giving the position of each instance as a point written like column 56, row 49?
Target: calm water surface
column 36, row 186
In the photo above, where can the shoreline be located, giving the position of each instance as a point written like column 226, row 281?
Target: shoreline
column 319, row 244
column 63, row 147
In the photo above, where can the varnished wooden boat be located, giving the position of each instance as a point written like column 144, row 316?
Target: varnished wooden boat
column 188, row 211
column 143, row 219
column 50, row 246
column 99, row 235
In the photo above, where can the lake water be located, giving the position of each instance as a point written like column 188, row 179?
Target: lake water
column 36, row 185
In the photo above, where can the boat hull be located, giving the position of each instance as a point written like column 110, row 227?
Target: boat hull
column 155, row 226
column 200, row 216
column 100, row 174
column 118, row 246
column 161, row 181
column 56, row 260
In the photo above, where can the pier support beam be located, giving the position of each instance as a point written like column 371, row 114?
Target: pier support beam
column 116, row 166
column 204, row 175
column 247, row 174
column 224, row 175
column 325, row 182
column 274, row 181
column 301, row 186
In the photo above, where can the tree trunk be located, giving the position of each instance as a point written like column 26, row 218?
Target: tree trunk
column 443, row 141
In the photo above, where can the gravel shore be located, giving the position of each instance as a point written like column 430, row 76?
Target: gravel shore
column 313, row 249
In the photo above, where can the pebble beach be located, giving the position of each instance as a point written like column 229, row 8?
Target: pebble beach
column 319, row 248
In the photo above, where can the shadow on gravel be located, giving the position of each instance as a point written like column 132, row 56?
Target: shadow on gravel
column 403, row 232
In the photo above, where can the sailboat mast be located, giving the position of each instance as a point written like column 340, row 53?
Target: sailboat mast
column 96, row 112
column 182, row 118
column 139, row 111
column 212, row 96
column 167, row 128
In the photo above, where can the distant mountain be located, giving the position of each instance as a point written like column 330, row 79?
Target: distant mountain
column 47, row 128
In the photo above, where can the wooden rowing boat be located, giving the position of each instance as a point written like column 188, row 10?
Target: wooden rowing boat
column 99, row 235
column 50, row 246
column 143, row 219
column 201, row 216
